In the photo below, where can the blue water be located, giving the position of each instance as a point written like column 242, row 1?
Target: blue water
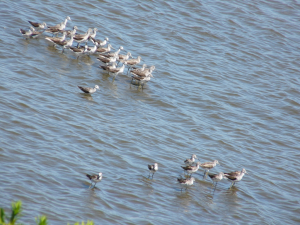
column 225, row 87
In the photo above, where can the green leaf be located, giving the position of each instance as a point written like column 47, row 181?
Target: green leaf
column 16, row 212
column 2, row 216
column 41, row 220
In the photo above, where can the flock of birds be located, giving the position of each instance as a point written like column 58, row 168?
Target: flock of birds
column 190, row 168
column 108, row 60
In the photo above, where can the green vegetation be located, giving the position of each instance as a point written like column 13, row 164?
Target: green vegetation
column 16, row 209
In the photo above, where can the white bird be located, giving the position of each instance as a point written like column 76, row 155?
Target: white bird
column 144, row 73
column 38, row 25
column 69, row 32
column 186, row 182
column 93, row 35
column 152, row 169
column 191, row 169
column 135, row 69
column 216, row 177
column 100, row 43
column 118, row 70
column 113, row 54
column 106, row 60
column 26, row 34
column 94, row 178
column 190, row 161
column 62, row 25
column 208, row 165
column 133, row 62
column 108, row 67
column 82, row 37
column 55, row 39
column 35, row 33
column 235, row 176
column 104, row 50
column 54, row 30
column 79, row 51
column 65, row 43
column 88, row 89
column 91, row 50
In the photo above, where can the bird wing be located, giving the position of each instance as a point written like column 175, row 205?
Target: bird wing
column 105, row 60
column 181, row 180
column 235, row 173
column 34, row 24
column 22, row 31
column 76, row 49
column 114, row 70
column 187, row 167
column 78, row 38
column 84, row 89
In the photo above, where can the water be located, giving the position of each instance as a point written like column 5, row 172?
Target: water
column 226, row 87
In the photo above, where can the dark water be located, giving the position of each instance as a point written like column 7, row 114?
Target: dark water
column 226, row 87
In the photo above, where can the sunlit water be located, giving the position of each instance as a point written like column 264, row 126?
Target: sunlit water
column 226, row 87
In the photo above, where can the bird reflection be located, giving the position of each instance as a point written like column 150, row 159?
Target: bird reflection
column 87, row 96
column 139, row 85
column 185, row 199
column 148, row 182
column 232, row 192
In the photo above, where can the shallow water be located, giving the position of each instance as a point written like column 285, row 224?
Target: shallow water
column 226, row 87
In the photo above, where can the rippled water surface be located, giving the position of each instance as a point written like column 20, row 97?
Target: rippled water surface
column 226, row 87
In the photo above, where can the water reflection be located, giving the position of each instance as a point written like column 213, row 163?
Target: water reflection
column 149, row 184
column 87, row 96
column 184, row 198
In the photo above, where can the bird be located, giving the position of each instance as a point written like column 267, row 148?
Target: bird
column 88, row 89
column 69, row 32
column 106, row 60
column 108, row 68
column 113, row 54
column 191, row 169
column 135, row 69
column 82, row 37
column 208, row 165
column 53, row 30
column 35, row 33
column 38, row 25
column 152, row 169
column 93, row 35
column 26, row 34
column 133, row 62
column 55, row 39
column 62, row 25
column 94, row 178
column 216, row 177
column 124, row 57
column 190, row 161
column 92, row 50
column 141, row 80
column 104, row 50
column 235, row 176
column 186, row 182
column 79, row 51
column 100, row 43
column 143, row 73
column 118, row 70
column 65, row 43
